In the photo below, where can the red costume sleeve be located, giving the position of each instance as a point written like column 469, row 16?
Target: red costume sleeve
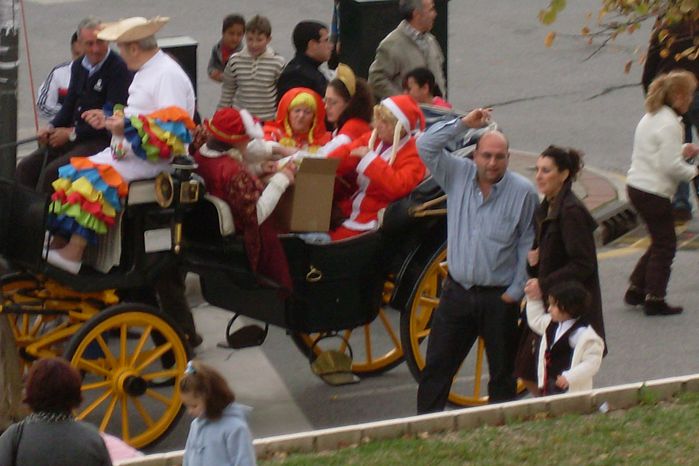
column 399, row 179
column 348, row 163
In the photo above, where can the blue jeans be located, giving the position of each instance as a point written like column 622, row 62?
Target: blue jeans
column 681, row 199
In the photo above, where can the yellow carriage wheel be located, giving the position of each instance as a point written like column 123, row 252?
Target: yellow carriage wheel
column 132, row 358
column 376, row 346
column 470, row 383
column 20, row 289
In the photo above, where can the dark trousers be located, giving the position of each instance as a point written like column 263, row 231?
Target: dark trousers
column 29, row 168
column 462, row 316
column 168, row 295
column 652, row 271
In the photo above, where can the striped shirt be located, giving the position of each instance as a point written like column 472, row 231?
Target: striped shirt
column 487, row 238
column 251, row 83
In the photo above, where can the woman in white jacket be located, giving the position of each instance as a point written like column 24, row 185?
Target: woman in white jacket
column 570, row 352
column 657, row 167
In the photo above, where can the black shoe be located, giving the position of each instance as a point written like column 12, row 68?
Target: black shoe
column 658, row 307
column 634, row 297
column 681, row 215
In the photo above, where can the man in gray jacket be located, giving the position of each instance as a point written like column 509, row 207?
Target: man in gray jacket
column 410, row 45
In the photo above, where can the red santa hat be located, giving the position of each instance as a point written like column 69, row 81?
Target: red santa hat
column 410, row 118
column 230, row 125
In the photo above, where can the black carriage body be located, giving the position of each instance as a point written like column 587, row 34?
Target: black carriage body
column 335, row 286
column 24, row 212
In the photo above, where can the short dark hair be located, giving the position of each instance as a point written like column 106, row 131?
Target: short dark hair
column 304, row 32
column 53, row 386
column 408, row 7
column 565, row 158
column 232, row 20
column 571, row 297
column 259, row 25
column 361, row 104
column 74, row 38
column 205, row 381
column 422, row 76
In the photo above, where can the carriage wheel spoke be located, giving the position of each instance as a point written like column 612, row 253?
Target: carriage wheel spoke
column 155, row 354
column 158, row 396
column 125, row 434
column 95, row 385
column 142, row 411
column 122, row 345
column 25, row 324
column 108, row 414
column 389, row 328
column 161, row 374
column 422, row 334
column 91, row 407
column 38, row 322
column 140, row 344
column 86, row 365
column 107, row 352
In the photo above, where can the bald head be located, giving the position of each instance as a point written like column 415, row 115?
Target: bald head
column 493, row 133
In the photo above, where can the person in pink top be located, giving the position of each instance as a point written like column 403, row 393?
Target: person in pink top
column 419, row 84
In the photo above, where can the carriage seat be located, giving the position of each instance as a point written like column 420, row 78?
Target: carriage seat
column 225, row 217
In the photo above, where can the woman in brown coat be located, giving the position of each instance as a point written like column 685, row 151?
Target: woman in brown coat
column 564, row 248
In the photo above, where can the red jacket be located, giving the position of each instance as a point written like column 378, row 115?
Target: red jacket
column 379, row 183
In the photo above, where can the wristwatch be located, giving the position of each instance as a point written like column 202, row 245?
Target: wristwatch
column 72, row 136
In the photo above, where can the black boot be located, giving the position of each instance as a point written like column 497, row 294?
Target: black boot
column 657, row 306
column 634, row 296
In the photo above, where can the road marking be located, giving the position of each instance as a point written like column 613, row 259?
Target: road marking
column 643, row 243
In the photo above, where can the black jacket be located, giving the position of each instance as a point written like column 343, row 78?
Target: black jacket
column 301, row 71
column 564, row 236
column 110, row 84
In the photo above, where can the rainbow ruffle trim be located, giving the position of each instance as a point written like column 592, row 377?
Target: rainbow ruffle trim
column 86, row 199
column 160, row 135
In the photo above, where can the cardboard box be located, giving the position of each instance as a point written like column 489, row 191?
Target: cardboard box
column 307, row 204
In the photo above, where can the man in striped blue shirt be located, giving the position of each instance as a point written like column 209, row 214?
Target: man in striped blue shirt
column 490, row 229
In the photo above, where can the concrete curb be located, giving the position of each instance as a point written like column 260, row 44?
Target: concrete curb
column 586, row 402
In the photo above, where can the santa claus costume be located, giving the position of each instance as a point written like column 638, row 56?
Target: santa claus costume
column 389, row 170
column 220, row 163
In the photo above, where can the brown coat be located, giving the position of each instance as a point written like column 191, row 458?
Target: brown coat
column 567, row 250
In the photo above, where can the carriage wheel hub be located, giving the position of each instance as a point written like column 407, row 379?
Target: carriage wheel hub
column 135, row 386
column 128, row 382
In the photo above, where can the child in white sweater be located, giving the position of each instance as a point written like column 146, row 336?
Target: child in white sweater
column 570, row 353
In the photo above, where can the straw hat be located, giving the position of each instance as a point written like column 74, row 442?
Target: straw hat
column 132, row 29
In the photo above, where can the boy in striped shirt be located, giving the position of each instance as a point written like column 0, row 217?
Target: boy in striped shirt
column 250, row 77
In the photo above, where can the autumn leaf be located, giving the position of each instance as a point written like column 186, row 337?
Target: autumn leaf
column 550, row 37
column 627, row 66
column 585, row 31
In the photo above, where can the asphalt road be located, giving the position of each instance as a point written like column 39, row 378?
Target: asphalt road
column 540, row 96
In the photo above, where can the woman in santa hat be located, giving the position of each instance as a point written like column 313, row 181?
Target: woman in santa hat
column 221, row 165
column 386, row 162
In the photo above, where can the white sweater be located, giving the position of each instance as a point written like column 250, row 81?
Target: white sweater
column 657, row 165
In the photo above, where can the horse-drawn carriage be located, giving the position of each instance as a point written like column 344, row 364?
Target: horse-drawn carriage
column 375, row 292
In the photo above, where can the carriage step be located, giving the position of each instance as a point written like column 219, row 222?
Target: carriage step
column 334, row 368
column 245, row 337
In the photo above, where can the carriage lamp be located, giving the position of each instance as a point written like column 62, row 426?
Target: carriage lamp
column 164, row 190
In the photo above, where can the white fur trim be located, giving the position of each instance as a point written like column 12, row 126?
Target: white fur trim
column 252, row 129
